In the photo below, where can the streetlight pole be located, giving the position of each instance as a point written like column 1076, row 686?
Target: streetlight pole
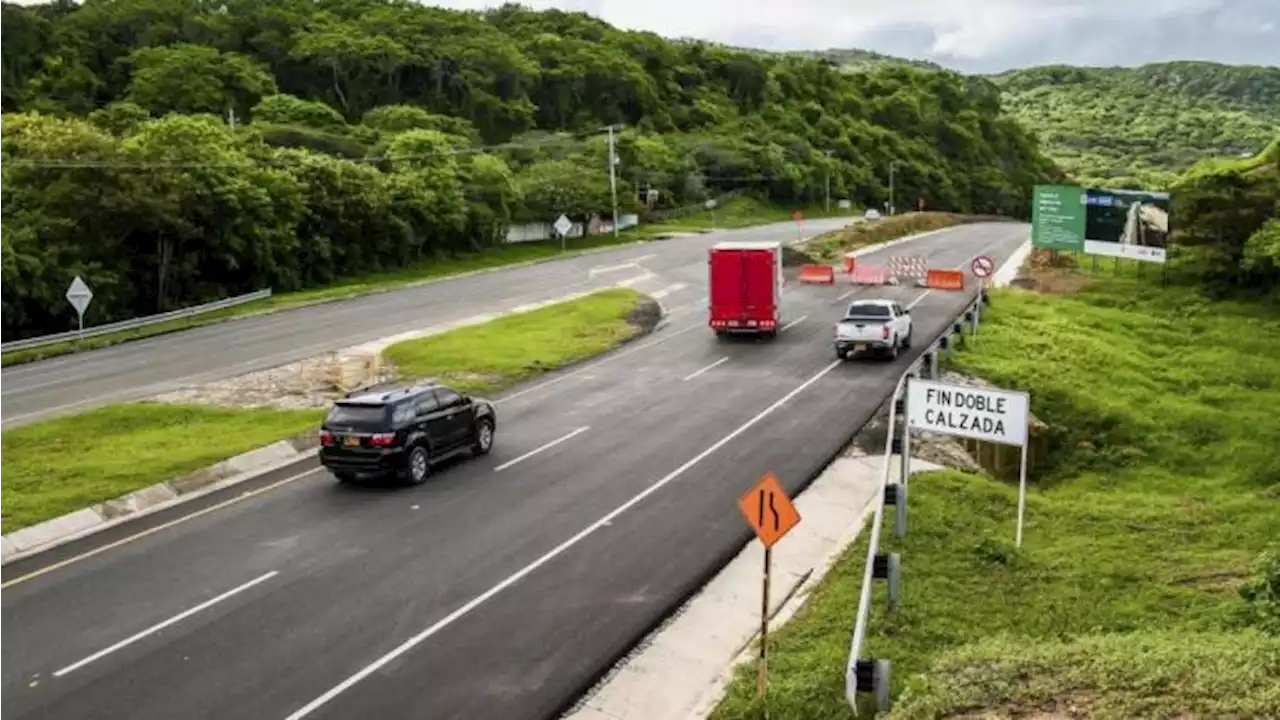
column 613, row 180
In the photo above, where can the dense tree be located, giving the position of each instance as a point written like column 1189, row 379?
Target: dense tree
column 375, row 133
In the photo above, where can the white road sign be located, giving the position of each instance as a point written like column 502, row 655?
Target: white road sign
column 709, row 204
column 845, row 204
column 998, row 416
column 563, row 225
column 79, row 295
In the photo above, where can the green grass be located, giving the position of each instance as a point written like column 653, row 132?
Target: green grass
column 1161, row 488
column 497, row 354
column 62, row 465
column 505, row 255
column 830, row 247
column 736, row 212
column 58, row 466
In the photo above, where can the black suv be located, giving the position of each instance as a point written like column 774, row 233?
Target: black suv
column 403, row 431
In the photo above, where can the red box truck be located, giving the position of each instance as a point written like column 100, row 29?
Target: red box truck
column 745, row 287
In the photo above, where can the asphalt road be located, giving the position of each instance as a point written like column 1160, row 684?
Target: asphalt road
column 163, row 363
column 503, row 587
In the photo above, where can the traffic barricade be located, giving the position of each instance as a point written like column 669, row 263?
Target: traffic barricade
column 868, row 275
column 907, row 268
column 817, row 274
column 945, row 279
column 850, row 262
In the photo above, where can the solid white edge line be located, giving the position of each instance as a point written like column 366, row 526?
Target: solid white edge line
column 712, row 366
column 794, row 323
column 541, row 448
column 555, row 552
column 156, row 628
column 916, row 302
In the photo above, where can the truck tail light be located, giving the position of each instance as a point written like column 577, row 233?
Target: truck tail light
column 884, row 332
column 326, row 438
column 382, row 439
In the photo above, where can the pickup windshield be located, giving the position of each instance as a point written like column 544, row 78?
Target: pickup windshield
column 868, row 312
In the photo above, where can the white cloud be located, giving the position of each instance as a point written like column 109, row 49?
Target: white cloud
column 975, row 35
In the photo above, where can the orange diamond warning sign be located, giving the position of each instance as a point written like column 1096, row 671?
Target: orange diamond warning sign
column 768, row 510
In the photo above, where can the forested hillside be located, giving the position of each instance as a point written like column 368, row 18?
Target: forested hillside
column 174, row 151
column 1140, row 127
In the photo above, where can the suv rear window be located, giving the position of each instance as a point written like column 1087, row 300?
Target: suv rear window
column 364, row 417
column 868, row 310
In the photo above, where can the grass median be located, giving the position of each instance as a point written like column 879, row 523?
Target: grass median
column 829, row 248
column 498, row 257
column 1142, row 588
column 62, row 465
column 736, row 212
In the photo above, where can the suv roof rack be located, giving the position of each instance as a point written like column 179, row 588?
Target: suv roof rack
column 386, row 394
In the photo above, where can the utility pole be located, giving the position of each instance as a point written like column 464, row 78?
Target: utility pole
column 613, row 180
column 828, row 164
column 892, row 206
column 231, row 118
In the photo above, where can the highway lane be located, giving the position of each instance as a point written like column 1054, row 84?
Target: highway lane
column 164, row 363
column 361, row 571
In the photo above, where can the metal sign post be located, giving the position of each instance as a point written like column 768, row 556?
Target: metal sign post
column 771, row 514
column 988, row 414
column 563, row 226
column 79, row 295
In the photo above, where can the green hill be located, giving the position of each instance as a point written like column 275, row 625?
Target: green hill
column 174, row 151
column 1141, row 126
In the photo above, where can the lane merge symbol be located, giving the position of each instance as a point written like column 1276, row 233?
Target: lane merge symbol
column 768, row 510
column 983, row 266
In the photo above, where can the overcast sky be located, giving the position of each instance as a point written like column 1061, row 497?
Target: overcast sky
column 969, row 35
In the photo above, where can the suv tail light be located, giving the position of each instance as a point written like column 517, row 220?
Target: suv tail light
column 884, row 332
column 326, row 437
column 382, row 439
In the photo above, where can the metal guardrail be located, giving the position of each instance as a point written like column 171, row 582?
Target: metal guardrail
column 873, row 675
column 192, row 311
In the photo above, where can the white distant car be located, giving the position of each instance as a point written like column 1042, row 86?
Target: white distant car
column 879, row 325
column 871, row 215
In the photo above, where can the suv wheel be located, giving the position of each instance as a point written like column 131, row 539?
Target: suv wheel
column 418, row 467
column 484, row 437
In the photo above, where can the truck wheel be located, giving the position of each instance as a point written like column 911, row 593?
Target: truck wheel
column 892, row 352
column 841, row 354
column 906, row 343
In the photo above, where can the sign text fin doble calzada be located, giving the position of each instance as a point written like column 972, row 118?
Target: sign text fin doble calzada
column 989, row 414
column 768, row 510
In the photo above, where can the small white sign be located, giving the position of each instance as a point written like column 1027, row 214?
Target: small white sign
column 79, row 295
column 563, row 225
column 709, row 204
column 845, row 204
column 998, row 416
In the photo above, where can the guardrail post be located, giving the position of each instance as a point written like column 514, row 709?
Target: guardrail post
column 896, row 495
column 888, row 567
column 873, row 677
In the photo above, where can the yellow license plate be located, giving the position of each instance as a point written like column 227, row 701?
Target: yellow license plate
column 352, row 442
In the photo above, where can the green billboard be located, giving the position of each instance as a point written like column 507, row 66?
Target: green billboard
column 1131, row 224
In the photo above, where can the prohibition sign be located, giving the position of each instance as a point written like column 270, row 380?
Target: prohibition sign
column 982, row 266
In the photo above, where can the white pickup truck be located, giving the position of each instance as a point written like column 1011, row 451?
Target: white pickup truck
column 881, row 326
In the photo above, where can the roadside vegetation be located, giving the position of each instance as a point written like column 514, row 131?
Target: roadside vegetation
column 830, row 247
column 1141, row 127
column 1144, row 587
column 206, row 158
column 65, row 464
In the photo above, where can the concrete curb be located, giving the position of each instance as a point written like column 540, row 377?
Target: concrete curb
column 50, row 534
column 683, row 668
column 1008, row 272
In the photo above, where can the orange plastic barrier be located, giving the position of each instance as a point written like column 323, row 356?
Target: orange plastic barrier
column 850, row 262
column 817, row 274
column 944, row 279
column 869, row 275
